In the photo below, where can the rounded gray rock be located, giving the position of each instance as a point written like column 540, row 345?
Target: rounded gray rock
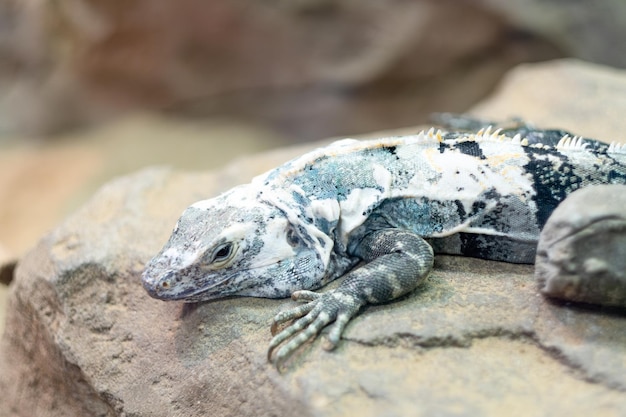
column 581, row 255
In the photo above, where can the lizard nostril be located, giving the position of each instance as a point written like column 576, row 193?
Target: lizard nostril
column 165, row 285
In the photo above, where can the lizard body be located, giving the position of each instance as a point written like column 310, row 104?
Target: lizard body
column 386, row 204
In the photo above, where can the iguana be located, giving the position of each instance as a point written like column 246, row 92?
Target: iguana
column 375, row 211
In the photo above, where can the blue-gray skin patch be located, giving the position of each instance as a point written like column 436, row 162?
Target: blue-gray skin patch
column 386, row 204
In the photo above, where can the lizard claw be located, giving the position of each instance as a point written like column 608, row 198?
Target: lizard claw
column 297, row 312
column 312, row 317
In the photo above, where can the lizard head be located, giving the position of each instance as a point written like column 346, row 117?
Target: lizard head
column 234, row 245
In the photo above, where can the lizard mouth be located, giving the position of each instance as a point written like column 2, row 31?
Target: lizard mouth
column 169, row 288
column 209, row 292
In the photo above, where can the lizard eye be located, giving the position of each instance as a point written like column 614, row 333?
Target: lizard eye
column 222, row 255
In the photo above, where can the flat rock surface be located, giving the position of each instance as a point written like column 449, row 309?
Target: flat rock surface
column 83, row 338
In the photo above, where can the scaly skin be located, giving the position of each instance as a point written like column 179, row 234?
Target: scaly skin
column 387, row 204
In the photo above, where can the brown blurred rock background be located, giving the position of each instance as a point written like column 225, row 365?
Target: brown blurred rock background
column 311, row 68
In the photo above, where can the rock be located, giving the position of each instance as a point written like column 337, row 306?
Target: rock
column 535, row 84
column 78, row 163
column 581, row 29
column 83, row 338
column 581, row 254
column 333, row 67
column 79, row 328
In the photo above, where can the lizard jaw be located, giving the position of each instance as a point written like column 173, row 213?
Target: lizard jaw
column 165, row 288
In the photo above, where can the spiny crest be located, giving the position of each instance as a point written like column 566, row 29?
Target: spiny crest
column 580, row 144
column 346, row 146
column 569, row 142
column 431, row 134
column 485, row 134
column 615, row 147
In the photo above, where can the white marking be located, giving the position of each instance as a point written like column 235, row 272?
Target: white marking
column 274, row 249
column 282, row 199
column 327, row 209
column 343, row 142
column 382, row 176
column 352, row 209
column 183, row 259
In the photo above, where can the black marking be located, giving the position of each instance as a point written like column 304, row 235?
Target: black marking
column 292, row 237
column 497, row 248
column 616, row 176
column 551, row 183
column 391, row 149
column 471, row 148
column 478, row 206
column 460, row 209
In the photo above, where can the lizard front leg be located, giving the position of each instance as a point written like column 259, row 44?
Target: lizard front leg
column 397, row 261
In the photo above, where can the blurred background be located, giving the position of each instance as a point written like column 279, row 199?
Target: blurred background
column 94, row 89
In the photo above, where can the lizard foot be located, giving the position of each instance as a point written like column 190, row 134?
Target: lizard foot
column 310, row 318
